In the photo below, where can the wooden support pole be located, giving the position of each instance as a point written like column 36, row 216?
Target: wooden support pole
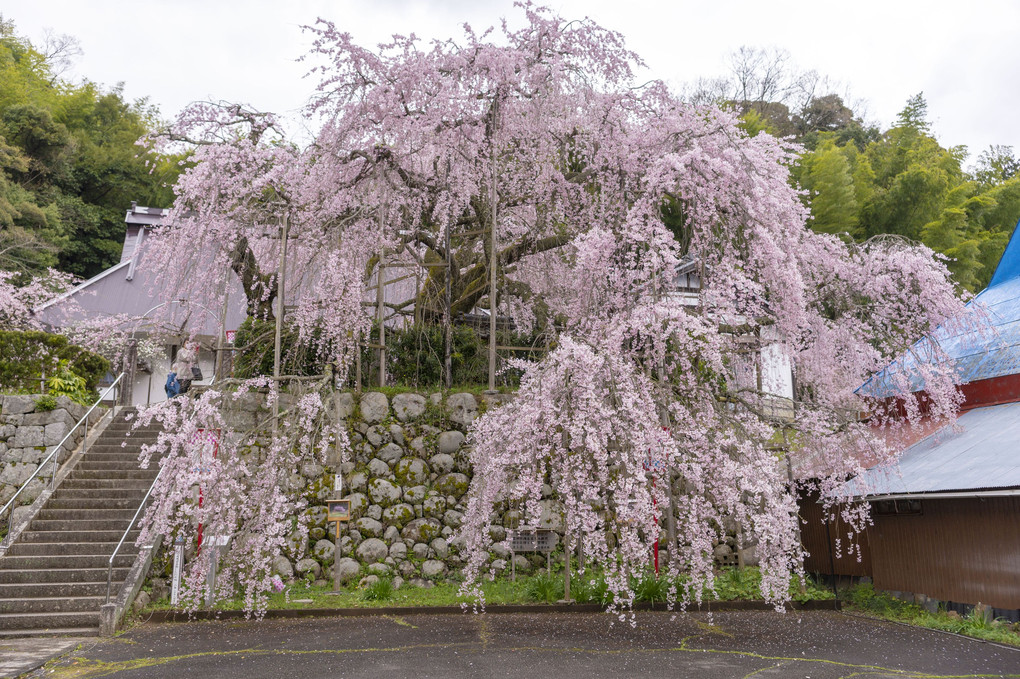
column 280, row 292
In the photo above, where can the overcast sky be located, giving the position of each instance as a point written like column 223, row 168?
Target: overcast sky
column 961, row 55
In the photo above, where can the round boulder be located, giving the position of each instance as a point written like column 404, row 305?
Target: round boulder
column 398, row 515
column 348, row 569
column 375, row 407
column 316, row 516
column 442, row 463
column 283, row 568
column 359, row 503
column 408, row 406
column 378, row 469
column 324, row 551
column 422, row 530
column 390, row 453
column 454, row 484
column 440, row 547
column 414, row 495
column 450, row 442
column 433, row 568
column 453, row 518
column 434, row 506
column 369, row 526
column 398, row 551
column 372, row 550
column 391, row 534
column 309, row 567
column 411, row 471
column 463, row 408
column 383, row 492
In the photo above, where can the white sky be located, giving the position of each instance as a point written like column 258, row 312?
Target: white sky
column 961, row 55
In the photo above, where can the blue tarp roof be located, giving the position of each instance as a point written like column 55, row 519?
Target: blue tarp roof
column 990, row 345
column 981, row 453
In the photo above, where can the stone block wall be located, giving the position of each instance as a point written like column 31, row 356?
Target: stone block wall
column 27, row 434
column 406, row 479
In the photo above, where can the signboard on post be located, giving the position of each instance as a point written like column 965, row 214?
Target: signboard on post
column 175, row 586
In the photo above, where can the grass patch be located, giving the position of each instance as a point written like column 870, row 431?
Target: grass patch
column 864, row 599
column 732, row 584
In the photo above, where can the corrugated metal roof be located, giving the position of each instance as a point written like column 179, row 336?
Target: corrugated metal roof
column 984, row 345
column 982, row 452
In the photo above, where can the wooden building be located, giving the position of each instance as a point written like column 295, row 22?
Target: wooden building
column 947, row 515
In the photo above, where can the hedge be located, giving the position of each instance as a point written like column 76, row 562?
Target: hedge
column 25, row 355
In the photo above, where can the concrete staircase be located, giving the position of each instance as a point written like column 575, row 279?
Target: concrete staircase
column 53, row 578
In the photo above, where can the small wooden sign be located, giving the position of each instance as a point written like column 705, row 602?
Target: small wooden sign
column 338, row 510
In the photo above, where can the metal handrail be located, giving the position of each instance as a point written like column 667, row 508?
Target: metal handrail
column 53, row 455
column 109, row 567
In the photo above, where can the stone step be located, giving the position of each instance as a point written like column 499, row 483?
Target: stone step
column 129, row 434
column 63, row 549
column 77, row 536
column 89, row 488
column 112, row 456
column 12, row 562
column 80, row 525
column 96, row 503
column 37, row 621
column 25, row 576
column 88, row 464
column 84, row 604
column 57, row 589
column 75, row 514
column 106, row 475
column 52, row 632
column 99, row 493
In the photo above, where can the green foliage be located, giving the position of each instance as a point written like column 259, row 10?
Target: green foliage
column 380, row 590
column 415, row 356
column 25, row 356
column 651, row 588
column 903, row 182
column 45, row 403
column 255, row 342
column 545, row 587
column 65, row 382
column 865, row 599
column 69, row 165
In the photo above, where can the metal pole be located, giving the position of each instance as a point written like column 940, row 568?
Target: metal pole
column 280, row 291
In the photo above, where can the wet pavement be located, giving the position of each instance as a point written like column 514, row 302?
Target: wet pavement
column 810, row 644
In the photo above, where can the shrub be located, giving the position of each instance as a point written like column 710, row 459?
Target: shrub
column 380, row 590
column 545, row 587
column 26, row 355
column 45, row 403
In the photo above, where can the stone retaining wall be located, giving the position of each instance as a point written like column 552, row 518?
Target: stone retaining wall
column 27, row 434
column 406, row 480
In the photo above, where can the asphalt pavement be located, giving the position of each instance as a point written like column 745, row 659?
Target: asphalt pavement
column 759, row 644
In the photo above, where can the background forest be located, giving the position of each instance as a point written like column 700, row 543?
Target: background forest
column 69, row 164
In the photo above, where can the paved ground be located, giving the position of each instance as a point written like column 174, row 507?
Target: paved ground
column 818, row 645
column 20, row 655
